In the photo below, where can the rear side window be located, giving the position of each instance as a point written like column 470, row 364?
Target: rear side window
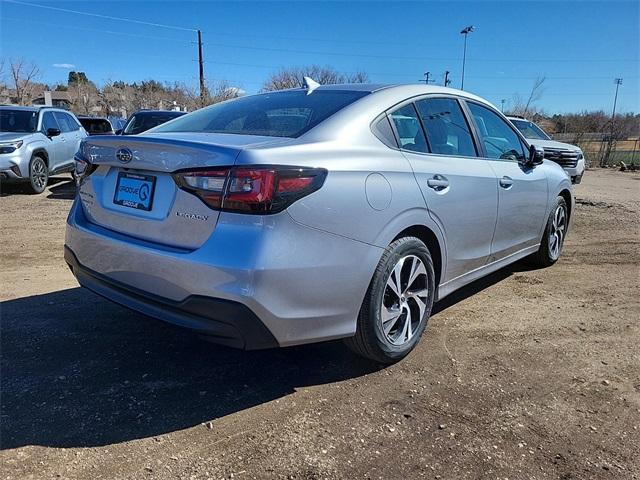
column 446, row 127
column 410, row 134
column 278, row 114
column 67, row 124
column 498, row 137
column 382, row 129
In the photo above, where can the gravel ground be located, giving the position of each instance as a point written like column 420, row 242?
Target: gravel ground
column 526, row 374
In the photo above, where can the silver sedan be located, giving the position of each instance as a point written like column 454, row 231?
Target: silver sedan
column 312, row 214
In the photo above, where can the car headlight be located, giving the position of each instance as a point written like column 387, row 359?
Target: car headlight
column 10, row 147
column 580, row 155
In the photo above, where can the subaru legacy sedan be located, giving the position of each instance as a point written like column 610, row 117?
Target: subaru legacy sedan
column 313, row 214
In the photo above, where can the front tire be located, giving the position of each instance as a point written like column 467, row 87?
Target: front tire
column 554, row 235
column 38, row 174
column 398, row 303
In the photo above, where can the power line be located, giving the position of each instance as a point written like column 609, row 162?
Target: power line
column 95, row 30
column 107, row 17
column 369, row 55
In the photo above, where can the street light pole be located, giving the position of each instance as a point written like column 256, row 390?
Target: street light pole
column 465, row 31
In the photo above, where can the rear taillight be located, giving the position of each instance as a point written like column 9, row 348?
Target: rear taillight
column 82, row 169
column 258, row 189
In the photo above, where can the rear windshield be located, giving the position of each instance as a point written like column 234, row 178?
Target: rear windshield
column 142, row 122
column 96, row 126
column 277, row 114
column 22, row 121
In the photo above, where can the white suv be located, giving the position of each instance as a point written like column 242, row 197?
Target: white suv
column 36, row 142
column 568, row 156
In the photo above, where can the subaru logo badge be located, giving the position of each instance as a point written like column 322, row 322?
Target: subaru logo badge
column 124, row 155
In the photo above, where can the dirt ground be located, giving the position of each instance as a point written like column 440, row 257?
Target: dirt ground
column 526, row 374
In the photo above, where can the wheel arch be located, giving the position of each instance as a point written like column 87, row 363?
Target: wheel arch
column 429, row 238
column 418, row 223
column 41, row 152
column 566, row 194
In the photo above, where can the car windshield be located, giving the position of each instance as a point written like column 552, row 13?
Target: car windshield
column 22, row 121
column 141, row 122
column 530, row 130
column 279, row 114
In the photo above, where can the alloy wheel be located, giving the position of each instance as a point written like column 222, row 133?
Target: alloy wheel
column 558, row 230
column 405, row 300
column 39, row 174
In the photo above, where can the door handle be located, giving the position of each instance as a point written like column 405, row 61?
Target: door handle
column 438, row 182
column 506, row 182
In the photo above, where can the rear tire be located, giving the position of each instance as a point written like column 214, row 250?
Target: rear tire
column 553, row 238
column 38, row 174
column 397, row 305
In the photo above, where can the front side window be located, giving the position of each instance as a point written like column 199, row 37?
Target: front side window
column 446, row 127
column 48, row 121
column 499, row 139
column 408, row 128
column 278, row 114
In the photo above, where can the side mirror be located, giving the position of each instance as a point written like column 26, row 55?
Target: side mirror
column 53, row 132
column 536, row 156
column 118, row 132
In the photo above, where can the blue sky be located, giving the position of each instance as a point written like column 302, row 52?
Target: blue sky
column 580, row 46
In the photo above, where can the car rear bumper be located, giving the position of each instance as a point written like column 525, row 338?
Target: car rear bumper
column 256, row 282
column 226, row 322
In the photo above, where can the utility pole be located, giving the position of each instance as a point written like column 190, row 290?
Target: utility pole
column 426, row 78
column 605, row 159
column 447, row 82
column 465, row 31
column 203, row 87
column 502, row 107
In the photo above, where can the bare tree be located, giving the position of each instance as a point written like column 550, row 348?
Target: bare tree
column 526, row 108
column 293, row 77
column 22, row 78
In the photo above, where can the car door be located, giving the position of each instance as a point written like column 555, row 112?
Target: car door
column 76, row 135
column 522, row 190
column 70, row 137
column 459, row 187
column 56, row 144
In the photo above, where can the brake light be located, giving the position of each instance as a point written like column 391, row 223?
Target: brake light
column 82, row 168
column 256, row 189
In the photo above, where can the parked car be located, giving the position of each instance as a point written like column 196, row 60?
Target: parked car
column 568, row 156
column 258, row 230
column 36, row 142
column 144, row 120
column 96, row 125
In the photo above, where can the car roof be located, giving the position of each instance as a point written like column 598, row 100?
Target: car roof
column 19, row 107
column 153, row 112
column 36, row 108
column 406, row 89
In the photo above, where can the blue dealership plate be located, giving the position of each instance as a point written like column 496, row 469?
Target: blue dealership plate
column 135, row 190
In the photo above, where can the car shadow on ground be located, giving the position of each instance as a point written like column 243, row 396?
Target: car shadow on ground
column 62, row 187
column 79, row 371
column 62, row 190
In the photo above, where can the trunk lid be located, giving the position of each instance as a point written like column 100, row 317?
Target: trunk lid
column 115, row 195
